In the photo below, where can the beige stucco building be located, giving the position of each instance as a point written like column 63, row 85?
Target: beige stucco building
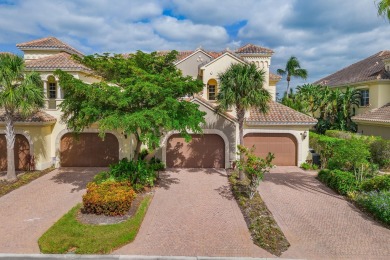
column 46, row 138
column 372, row 77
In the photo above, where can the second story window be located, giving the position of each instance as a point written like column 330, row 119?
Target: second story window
column 365, row 97
column 52, row 90
column 212, row 89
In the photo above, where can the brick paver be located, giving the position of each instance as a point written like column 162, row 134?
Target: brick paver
column 193, row 213
column 26, row 213
column 319, row 223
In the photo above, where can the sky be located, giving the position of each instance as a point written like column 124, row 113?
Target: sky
column 324, row 35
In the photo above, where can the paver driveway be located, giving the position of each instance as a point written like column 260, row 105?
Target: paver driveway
column 26, row 213
column 318, row 222
column 193, row 213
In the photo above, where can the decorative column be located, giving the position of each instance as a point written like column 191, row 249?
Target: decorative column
column 59, row 95
column 45, row 93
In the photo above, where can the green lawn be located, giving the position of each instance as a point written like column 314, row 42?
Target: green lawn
column 67, row 234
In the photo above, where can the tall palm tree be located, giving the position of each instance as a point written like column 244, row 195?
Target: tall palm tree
column 241, row 86
column 384, row 8
column 293, row 69
column 349, row 99
column 20, row 93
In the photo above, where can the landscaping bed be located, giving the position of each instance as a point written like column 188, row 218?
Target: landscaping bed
column 69, row 235
column 264, row 230
column 23, row 179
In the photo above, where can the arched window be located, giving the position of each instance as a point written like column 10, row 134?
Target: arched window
column 212, row 89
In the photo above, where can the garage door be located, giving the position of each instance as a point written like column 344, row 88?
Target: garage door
column 21, row 152
column 88, row 150
column 203, row 151
column 283, row 146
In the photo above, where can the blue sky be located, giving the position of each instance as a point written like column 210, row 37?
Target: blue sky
column 324, row 35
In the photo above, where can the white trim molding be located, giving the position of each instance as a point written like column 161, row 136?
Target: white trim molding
column 88, row 130
column 295, row 133
column 163, row 144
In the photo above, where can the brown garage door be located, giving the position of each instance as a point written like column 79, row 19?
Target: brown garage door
column 203, row 151
column 283, row 146
column 88, row 150
column 21, row 152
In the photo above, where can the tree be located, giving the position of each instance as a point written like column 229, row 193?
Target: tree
column 384, row 9
column 20, row 94
column 241, row 86
column 292, row 69
column 141, row 94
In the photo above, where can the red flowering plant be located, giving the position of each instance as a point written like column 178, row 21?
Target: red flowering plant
column 254, row 167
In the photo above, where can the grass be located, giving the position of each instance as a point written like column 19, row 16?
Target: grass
column 262, row 225
column 23, row 179
column 69, row 235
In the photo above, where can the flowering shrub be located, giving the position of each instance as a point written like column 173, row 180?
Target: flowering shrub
column 110, row 198
column 376, row 202
column 254, row 167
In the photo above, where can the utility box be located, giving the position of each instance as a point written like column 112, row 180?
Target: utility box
column 315, row 157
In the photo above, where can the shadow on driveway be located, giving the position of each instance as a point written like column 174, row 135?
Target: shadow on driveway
column 76, row 176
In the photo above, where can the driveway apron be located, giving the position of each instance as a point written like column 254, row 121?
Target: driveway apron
column 26, row 213
column 193, row 213
column 318, row 223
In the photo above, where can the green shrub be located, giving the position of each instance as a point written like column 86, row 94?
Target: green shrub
column 156, row 164
column 342, row 182
column 339, row 134
column 101, row 177
column 110, row 198
column 324, row 146
column 380, row 152
column 143, row 154
column 377, row 183
column 349, row 155
column 308, row 166
column 377, row 203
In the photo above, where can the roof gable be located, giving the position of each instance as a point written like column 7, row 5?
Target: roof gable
column 48, row 43
column 189, row 55
column 226, row 53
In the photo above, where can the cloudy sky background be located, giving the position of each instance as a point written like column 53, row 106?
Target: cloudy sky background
column 324, row 35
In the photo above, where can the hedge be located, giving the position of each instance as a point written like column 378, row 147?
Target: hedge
column 377, row 183
column 340, row 181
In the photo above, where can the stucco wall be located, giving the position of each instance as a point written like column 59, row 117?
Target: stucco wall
column 190, row 66
column 377, row 130
column 37, row 54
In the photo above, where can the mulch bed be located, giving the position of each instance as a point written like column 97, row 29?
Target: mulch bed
column 102, row 219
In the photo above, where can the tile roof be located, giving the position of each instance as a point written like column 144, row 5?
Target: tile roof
column 274, row 76
column 184, row 54
column 61, row 60
column 381, row 115
column 213, row 106
column 48, row 43
column 253, row 49
column 371, row 68
column 38, row 117
column 279, row 114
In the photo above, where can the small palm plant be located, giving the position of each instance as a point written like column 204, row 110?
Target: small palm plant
column 21, row 94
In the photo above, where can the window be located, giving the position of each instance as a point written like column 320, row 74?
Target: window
column 365, row 97
column 212, row 92
column 52, row 90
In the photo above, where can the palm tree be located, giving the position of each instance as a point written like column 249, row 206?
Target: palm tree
column 293, row 69
column 241, row 86
column 348, row 100
column 19, row 94
column 384, row 9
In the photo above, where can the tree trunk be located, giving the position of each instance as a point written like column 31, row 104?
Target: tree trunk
column 10, row 137
column 137, row 148
column 288, row 85
column 241, row 118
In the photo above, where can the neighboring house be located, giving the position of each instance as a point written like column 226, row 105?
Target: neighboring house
column 372, row 77
column 282, row 130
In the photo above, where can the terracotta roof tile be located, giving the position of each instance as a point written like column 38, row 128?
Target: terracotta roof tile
column 39, row 117
column 381, row 114
column 279, row 114
column 253, row 49
column 274, row 76
column 371, row 68
column 61, row 60
column 48, row 43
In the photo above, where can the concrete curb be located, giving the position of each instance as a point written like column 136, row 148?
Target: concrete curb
column 119, row 257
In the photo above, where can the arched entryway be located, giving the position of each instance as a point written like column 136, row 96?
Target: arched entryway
column 21, row 152
column 203, row 151
column 284, row 146
column 88, row 150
